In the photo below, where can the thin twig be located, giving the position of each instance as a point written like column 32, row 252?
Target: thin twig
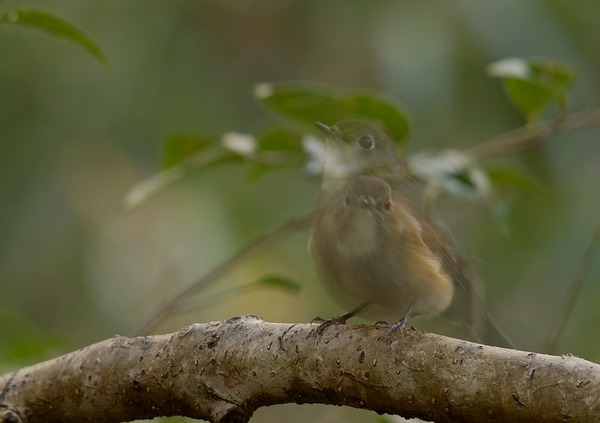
column 523, row 138
column 172, row 306
column 572, row 294
column 531, row 135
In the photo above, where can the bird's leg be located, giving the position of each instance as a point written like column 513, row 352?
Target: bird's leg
column 399, row 325
column 339, row 320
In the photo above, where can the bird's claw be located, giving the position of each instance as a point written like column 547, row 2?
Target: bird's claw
column 325, row 323
column 398, row 326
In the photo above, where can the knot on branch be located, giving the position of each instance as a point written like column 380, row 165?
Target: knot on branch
column 9, row 415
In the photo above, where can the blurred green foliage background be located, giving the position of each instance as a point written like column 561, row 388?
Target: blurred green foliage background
column 74, row 139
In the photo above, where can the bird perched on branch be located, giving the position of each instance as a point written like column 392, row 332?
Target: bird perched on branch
column 371, row 236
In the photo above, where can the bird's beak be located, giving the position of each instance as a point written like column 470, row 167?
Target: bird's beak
column 327, row 130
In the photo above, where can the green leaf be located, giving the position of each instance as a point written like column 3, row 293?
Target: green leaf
column 180, row 147
column 533, row 85
column 279, row 282
column 276, row 148
column 530, row 98
column 556, row 75
column 257, row 170
column 308, row 103
column 510, row 177
column 279, row 139
column 58, row 27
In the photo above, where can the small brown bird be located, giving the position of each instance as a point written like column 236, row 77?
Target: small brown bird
column 370, row 237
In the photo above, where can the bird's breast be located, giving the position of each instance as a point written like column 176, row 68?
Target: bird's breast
column 359, row 236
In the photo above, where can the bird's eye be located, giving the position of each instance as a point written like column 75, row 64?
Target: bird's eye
column 387, row 206
column 366, row 142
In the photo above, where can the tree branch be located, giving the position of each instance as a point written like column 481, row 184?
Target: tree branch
column 532, row 135
column 224, row 371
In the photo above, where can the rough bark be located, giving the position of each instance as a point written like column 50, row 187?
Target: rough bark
column 224, row 371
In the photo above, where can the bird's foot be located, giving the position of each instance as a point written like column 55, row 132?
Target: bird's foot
column 325, row 323
column 392, row 327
